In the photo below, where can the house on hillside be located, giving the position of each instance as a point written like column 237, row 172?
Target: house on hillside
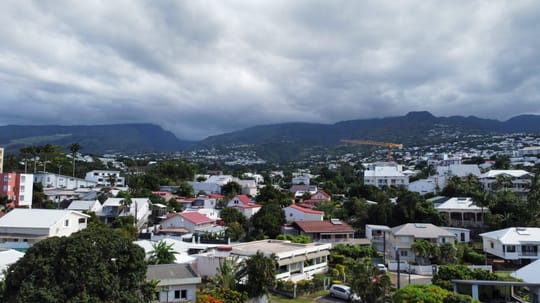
column 381, row 176
column 244, row 204
column 83, row 205
column 106, row 178
column 176, row 282
column 298, row 213
column 50, row 180
column 517, row 180
column 513, row 243
column 324, row 231
column 113, row 208
column 399, row 239
column 462, row 212
column 192, row 222
column 21, row 228
column 295, row 261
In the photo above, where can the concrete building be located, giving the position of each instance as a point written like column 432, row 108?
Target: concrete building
column 18, row 188
column 462, row 212
column 50, row 180
column 297, row 213
column 381, row 176
column 104, row 177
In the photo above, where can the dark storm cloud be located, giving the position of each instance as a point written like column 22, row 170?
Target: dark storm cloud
column 200, row 68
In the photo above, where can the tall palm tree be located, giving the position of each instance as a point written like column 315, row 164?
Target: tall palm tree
column 74, row 148
column 35, row 151
column 227, row 276
column 47, row 149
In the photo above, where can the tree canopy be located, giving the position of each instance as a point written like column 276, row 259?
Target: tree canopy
column 93, row 265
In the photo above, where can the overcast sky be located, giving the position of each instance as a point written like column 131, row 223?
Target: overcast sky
column 201, row 68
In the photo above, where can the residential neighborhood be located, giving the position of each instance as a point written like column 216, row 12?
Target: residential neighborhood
column 417, row 217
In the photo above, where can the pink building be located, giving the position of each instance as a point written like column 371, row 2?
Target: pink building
column 18, row 188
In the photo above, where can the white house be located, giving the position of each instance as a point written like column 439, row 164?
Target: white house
column 104, row 177
column 139, row 208
column 297, row 213
column 463, row 235
column 304, row 179
column 385, row 176
column 528, row 273
column 192, row 222
column 50, row 180
column 516, row 180
column 399, row 239
column 296, row 261
column 462, row 212
column 244, row 204
column 177, row 282
column 513, row 243
column 423, row 186
column 84, row 205
column 29, row 226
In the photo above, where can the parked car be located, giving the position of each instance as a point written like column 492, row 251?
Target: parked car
column 343, row 292
column 382, row 267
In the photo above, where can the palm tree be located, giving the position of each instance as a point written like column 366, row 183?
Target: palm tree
column 74, row 148
column 35, row 151
column 162, row 253
column 227, row 276
column 47, row 149
column 25, row 152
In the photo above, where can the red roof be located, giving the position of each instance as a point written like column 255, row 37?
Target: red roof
column 216, row 196
column 323, row 226
column 307, row 211
column 195, row 217
column 245, row 199
column 322, row 192
column 249, row 205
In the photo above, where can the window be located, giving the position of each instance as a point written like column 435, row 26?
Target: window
column 23, row 179
column 403, row 253
column 511, row 248
column 82, row 220
column 177, row 294
column 66, row 223
column 183, row 294
column 491, row 244
column 21, row 198
column 22, row 188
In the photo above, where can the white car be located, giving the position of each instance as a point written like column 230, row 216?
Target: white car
column 382, row 267
column 343, row 292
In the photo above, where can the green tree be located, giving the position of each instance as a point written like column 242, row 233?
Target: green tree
column 424, row 250
column 25, row 152
column 93, row 265
column 185, row 190
column 259, row 273
column 74, row 148
column 426, row 293
column 268, row 221
column 162, row 253
column 235, row 231
column 231, row 214
column 231, row 189
column 447, row 254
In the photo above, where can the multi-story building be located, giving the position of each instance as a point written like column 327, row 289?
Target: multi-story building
column 381, row 176
column 516, row 180
column 18, row 188
column 106, row 177
column 513, row 243
column 50, row 180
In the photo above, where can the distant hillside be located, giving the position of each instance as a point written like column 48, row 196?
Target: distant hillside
column 128, row 138
column 415, row 128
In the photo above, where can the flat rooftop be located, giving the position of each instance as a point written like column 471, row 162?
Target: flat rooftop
column 274, row 246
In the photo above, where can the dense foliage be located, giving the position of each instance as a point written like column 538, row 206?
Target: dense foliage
column 425, row 293
column 93, row 265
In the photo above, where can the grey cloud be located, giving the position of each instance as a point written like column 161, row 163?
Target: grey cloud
column 200, row 68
